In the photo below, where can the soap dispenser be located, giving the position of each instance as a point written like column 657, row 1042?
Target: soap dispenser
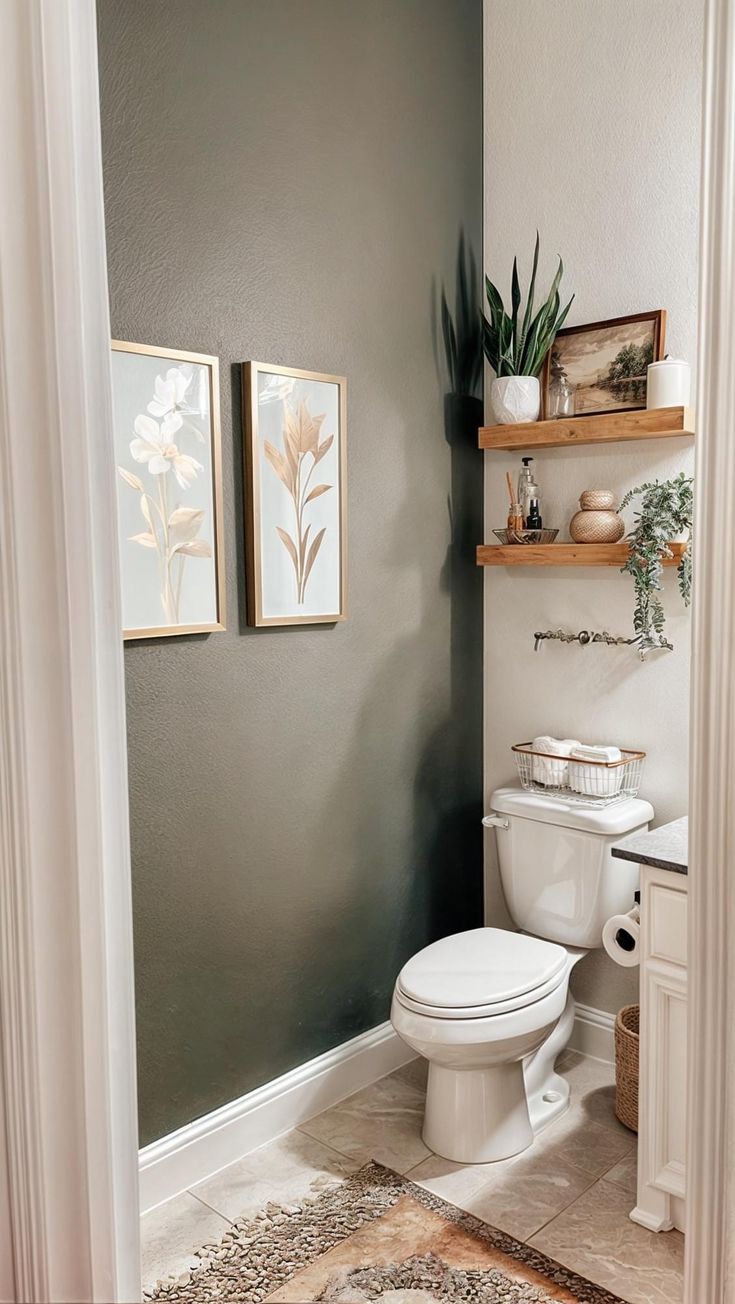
column 527, row 489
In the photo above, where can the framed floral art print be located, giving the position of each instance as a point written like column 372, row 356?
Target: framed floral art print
column 294, row 426
column 167, row 449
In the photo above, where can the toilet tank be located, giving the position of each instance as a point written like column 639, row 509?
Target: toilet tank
column 559, row 878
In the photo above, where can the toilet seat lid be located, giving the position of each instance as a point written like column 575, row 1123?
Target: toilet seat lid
column 484, row 966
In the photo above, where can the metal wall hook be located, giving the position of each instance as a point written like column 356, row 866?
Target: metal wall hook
column 586, row 636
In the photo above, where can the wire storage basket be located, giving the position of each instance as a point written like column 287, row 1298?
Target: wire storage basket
column 579, row 780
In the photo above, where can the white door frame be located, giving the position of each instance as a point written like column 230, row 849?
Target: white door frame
column 66, row 966
column 710, row 1256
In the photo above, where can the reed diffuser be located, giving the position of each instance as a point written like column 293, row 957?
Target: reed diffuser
column 515, row 514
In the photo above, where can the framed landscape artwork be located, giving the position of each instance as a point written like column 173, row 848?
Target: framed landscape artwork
column 606, row 361
column 294, row 426
column 167, row 449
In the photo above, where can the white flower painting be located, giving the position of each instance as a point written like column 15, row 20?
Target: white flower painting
column 166, row 428
column 295, row 462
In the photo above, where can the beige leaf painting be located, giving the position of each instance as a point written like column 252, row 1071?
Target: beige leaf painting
column 133, row 480
column 195, row 548
column 146, row 510
column 323, row 449
column 294, row 467
column 290, row 546
column 184, row 523
column 172, row 534
column 317, row 492
column 283, row 470
column 316, row 545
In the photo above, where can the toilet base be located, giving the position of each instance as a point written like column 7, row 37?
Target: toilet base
column 547, row 1092
column 477, row 1116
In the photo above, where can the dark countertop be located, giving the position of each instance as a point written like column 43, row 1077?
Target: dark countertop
column 666, row 847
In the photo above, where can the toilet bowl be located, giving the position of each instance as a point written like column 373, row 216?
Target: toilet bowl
column 490, row 1008
column 477, row 1005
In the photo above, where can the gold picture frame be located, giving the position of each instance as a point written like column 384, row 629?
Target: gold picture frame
column 184, row 466
column 586, row 349
column 287, row 568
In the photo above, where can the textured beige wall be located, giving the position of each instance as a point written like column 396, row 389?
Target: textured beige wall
column 592, row 114
column 286, row 180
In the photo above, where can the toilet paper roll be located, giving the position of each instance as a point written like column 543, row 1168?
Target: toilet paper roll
column 621, row 938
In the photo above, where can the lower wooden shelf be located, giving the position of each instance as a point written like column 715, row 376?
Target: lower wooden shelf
column 562, row 554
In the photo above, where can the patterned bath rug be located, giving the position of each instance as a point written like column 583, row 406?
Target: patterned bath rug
column 376, row 1236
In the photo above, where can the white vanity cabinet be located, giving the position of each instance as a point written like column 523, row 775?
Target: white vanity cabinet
column 663, row 1044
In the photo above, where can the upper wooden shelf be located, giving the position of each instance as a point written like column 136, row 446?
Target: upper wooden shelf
column 562, row 554
column 610, row 428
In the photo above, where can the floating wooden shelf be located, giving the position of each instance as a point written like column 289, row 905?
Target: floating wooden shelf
column 611, row 428
column 562, row 554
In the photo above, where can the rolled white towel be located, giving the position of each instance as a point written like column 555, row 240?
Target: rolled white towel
column 595, row 780
column 553, row 774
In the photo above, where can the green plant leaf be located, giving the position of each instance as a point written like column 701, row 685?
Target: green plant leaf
column 515, row 300
column 664, row 511
column 529, row 301
column 494, row 300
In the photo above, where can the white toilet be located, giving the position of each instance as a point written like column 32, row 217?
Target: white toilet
column 489, row 1008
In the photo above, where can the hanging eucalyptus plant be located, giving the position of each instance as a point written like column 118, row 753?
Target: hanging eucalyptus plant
column 514, row 345
column 664, row 513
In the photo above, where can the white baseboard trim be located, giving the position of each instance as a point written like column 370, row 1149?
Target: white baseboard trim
column 200, row 1149
column 593, row 1033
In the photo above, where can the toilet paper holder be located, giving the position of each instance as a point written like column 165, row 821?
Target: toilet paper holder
column 622, row 934
column 623, row 938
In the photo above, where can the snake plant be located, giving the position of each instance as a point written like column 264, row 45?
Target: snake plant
column 665, row 512
column 515, row 345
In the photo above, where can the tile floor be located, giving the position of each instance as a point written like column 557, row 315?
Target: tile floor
column 569, row 1196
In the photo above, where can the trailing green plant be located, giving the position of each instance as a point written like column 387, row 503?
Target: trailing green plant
column 664, row 513
column 462, row 334
column 515, row 345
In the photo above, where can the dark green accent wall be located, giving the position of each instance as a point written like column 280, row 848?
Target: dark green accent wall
column 286, row 180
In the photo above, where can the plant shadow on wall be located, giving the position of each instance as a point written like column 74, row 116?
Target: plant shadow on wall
column 461, row 327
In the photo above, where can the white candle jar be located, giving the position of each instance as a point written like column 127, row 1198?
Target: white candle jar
column 669, row 383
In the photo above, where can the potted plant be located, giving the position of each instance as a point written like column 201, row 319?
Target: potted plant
column 664, row 513
column 516, row 346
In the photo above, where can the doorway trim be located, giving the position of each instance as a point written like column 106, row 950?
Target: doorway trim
column 711, row 1088
column 66, row 961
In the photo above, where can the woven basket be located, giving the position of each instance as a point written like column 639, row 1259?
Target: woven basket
column 626, row 1065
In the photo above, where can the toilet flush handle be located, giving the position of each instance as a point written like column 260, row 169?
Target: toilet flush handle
column 496, row 822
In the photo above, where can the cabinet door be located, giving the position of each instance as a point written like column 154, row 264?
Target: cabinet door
column 667, row 1029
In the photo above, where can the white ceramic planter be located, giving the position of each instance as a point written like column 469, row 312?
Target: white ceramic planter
column 515, row 399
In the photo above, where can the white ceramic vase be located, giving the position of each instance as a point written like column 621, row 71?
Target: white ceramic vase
column 515, row 399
